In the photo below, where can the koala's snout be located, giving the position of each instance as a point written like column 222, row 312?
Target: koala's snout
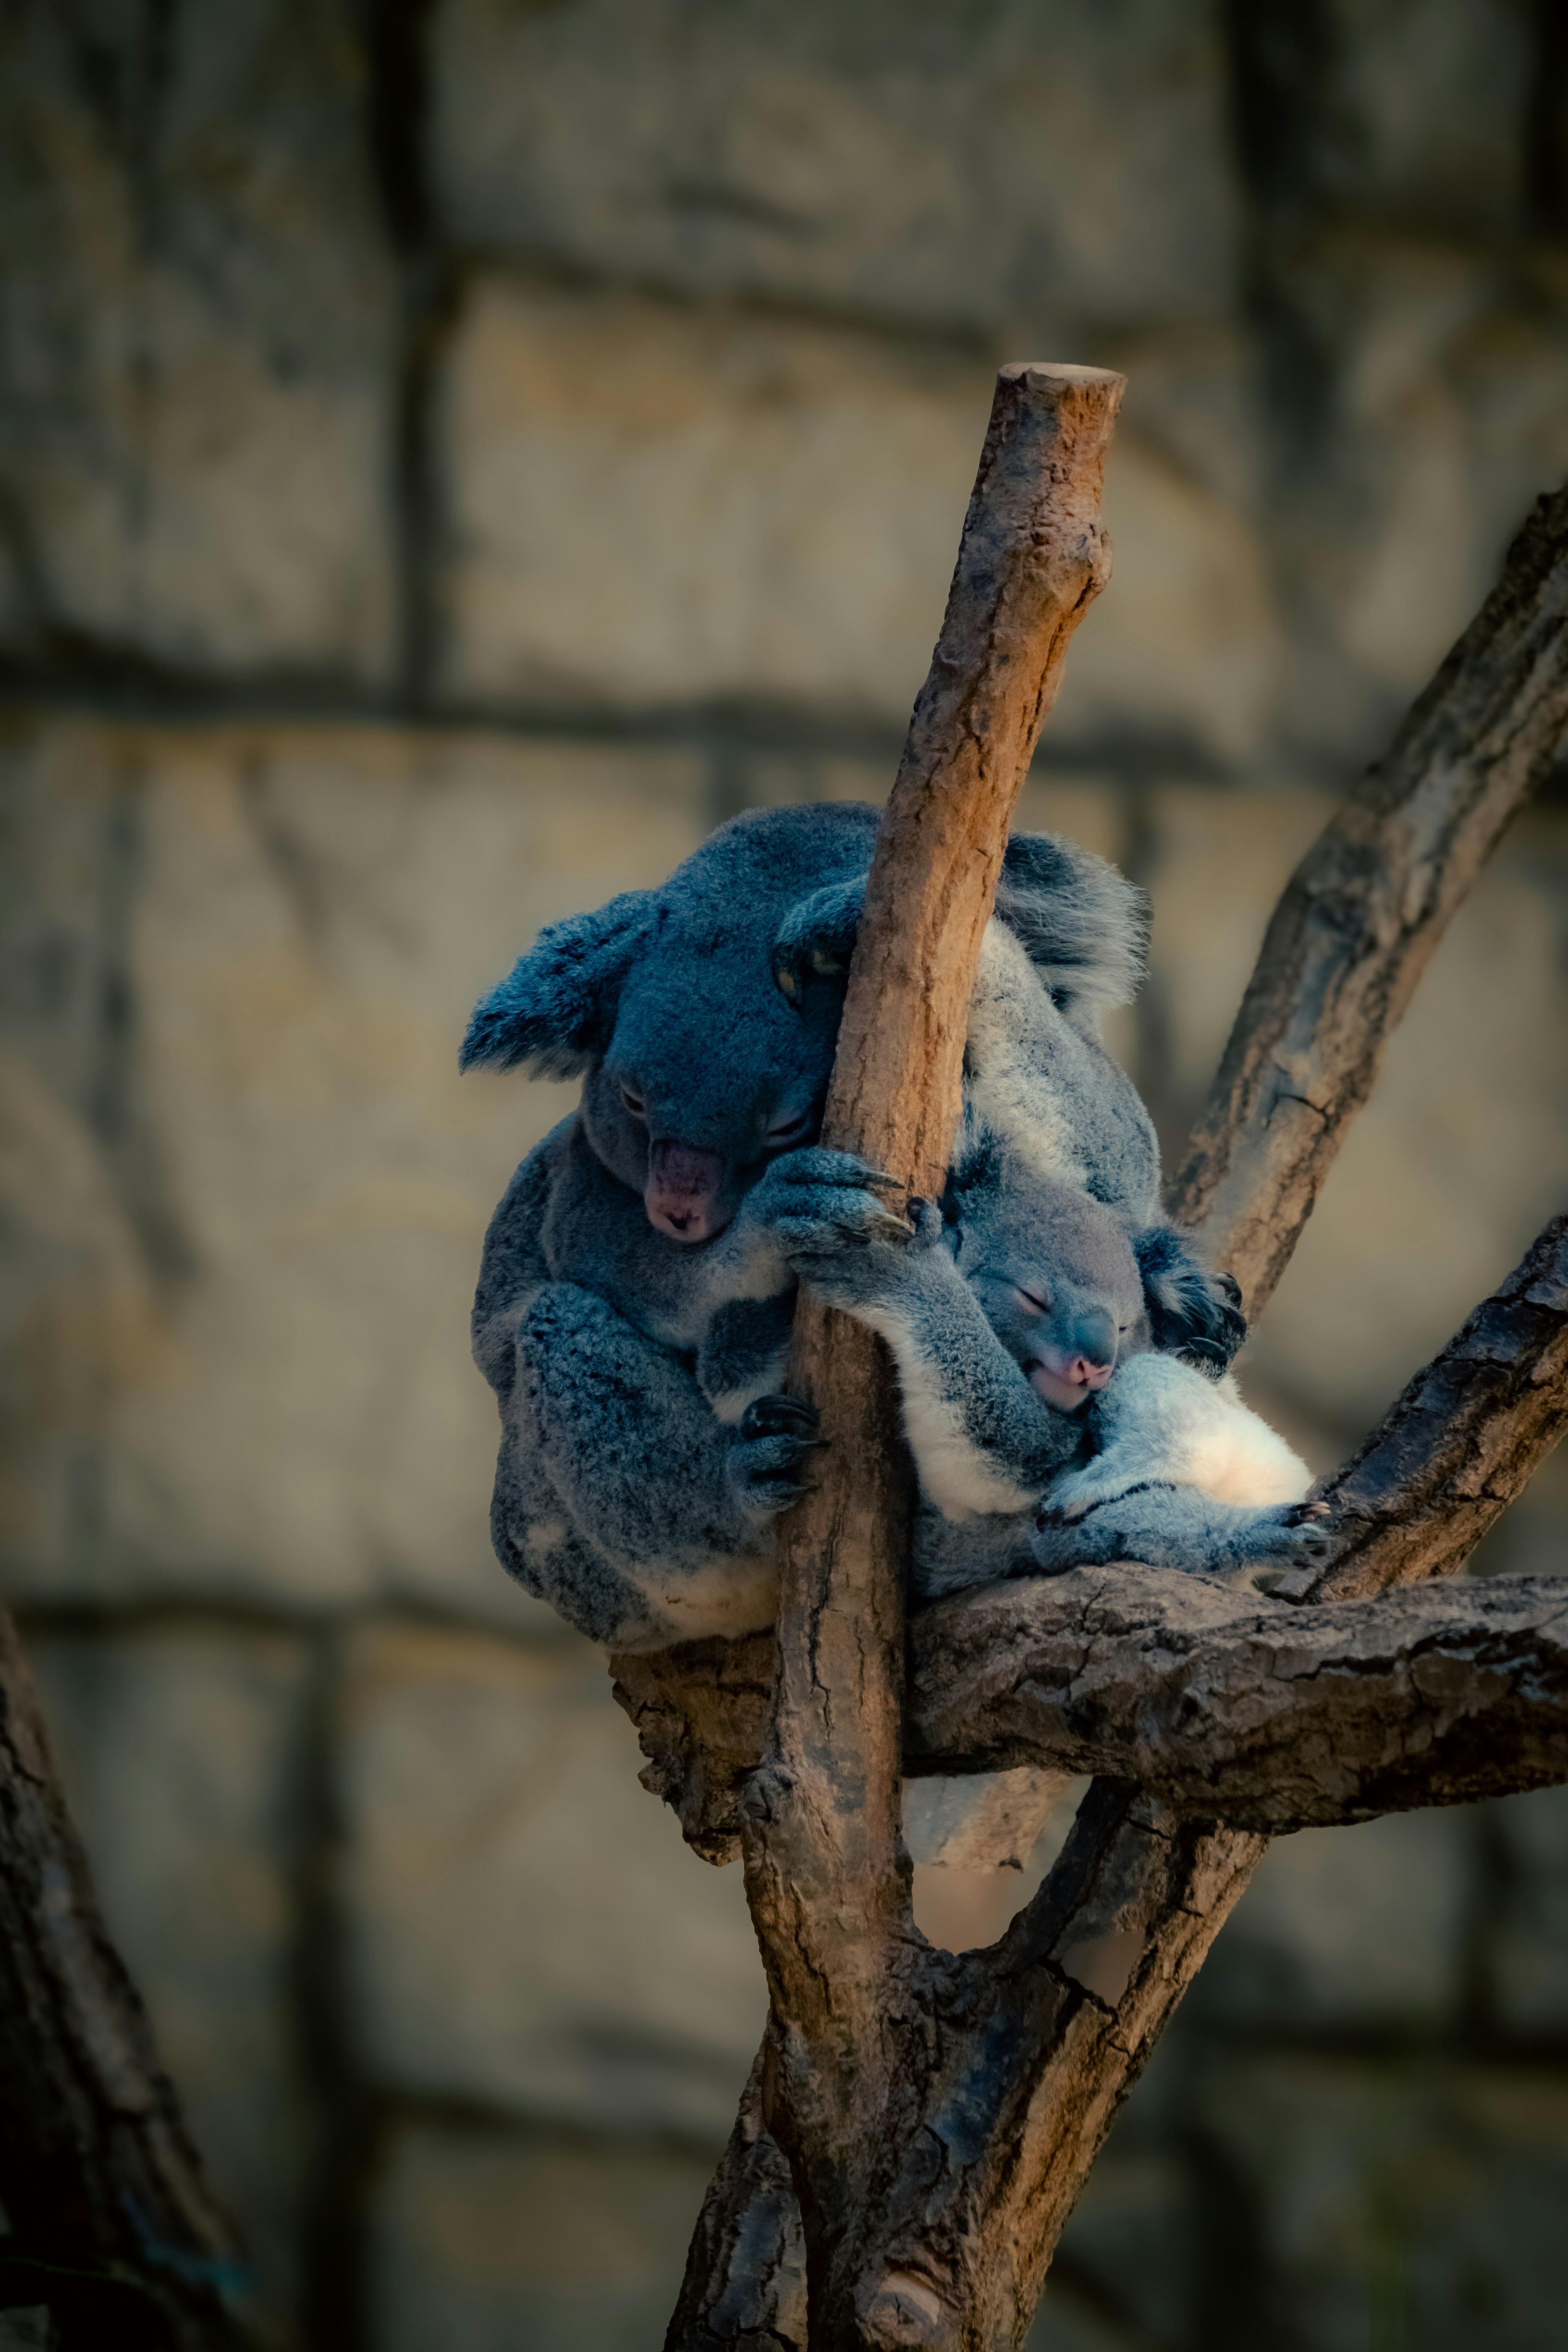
column 682, row 1191
column 1076, row 1361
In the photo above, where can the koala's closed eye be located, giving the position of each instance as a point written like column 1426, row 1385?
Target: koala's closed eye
column 790, row 1126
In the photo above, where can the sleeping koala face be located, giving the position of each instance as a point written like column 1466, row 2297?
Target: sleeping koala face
column 707, row 1074
column 1071, row 1289
column 702, row 1016
column 1056, row 1274
column 697, row 1067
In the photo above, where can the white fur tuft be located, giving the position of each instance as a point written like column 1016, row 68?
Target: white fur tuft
column 1163, row 1424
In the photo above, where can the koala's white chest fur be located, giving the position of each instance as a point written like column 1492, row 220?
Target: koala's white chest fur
column 1160, row 1421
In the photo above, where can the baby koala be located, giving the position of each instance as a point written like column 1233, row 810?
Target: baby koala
column 1052, row 1425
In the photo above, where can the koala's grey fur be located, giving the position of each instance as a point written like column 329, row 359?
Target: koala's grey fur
column 642, row 1456
column 1160, row 1465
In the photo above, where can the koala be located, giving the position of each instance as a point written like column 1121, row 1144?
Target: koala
column 634, row 1302
column 1063, row 1372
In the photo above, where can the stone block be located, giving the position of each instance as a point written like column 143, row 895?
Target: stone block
column 198, row 317
column 502, row 2241
column 1352, row 1929
column 1214, row 863
column 247, row 1185
column 1385, row 2203
column 1527, row 1932
column 1433, row 414
column 1461, row 1154
column 651, row 505
column 525, row 1929
column 1039, row 164
column 1414, row 109
column 182, row 1758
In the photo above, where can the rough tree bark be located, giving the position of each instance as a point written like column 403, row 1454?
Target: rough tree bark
column 1019, row 2056
column 111, row 2223
column 844, row 2070
column 1225, row 1702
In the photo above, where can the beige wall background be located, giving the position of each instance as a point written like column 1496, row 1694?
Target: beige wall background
column 452, row 453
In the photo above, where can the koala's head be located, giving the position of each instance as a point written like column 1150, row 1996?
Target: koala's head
column 703, row 1016
column 697, row 1067
column 1070, row 1287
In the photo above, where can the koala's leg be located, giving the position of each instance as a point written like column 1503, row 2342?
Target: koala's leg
column 536, row 1542
column 982, row 1440
column 1178, row 1527
column 513, row 1270
column 744, row 1352
column 953, row 1555
column 626, row 1437
column 642, row 1476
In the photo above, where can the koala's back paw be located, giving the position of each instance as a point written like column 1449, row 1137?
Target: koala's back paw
column 1294, row 1533
column 1059, row 1543
column 768, row 1457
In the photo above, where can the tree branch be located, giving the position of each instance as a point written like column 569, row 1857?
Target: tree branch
column 1040, row 2039
column 1362, row 913
column 111, row 2223
column 826, row 1876
column 1411, row 1502
column 1449, row 1457
column 1269, row 1718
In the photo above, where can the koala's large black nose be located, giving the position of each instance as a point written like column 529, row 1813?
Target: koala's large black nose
column 681, row 1195
column 1092, row 1346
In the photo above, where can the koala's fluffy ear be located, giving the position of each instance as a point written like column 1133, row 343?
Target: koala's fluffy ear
column 1193, row 1313
column 1083, row 925
column 816, row 937
column 556, row 1007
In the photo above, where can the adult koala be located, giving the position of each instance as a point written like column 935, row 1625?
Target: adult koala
column 624, row 1288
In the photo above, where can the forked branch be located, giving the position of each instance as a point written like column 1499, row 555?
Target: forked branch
column 1018, row 2057
column 826, row 1877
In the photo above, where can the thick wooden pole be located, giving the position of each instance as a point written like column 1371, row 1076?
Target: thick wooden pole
column 826, row 1874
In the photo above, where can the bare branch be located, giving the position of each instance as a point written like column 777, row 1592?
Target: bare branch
column 744, row 2288
column 111, row 2222
column 826, row 1877
column 998, row 2074
column 1353, row 932
column 1449, row 1456
column 1269, row 1718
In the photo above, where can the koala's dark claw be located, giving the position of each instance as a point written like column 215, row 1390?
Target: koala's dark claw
column 781, row 1416
column 1301, row 1513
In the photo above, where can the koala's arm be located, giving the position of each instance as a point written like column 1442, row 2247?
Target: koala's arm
column 982, row 1440
column 630, row 1443
column 620, row 1497
column 1186, row 1477
column 1179, row 1527
column 1162, row 1422
column 513, row 1268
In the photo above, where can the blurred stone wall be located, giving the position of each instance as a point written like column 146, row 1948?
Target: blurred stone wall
column 451, row 455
